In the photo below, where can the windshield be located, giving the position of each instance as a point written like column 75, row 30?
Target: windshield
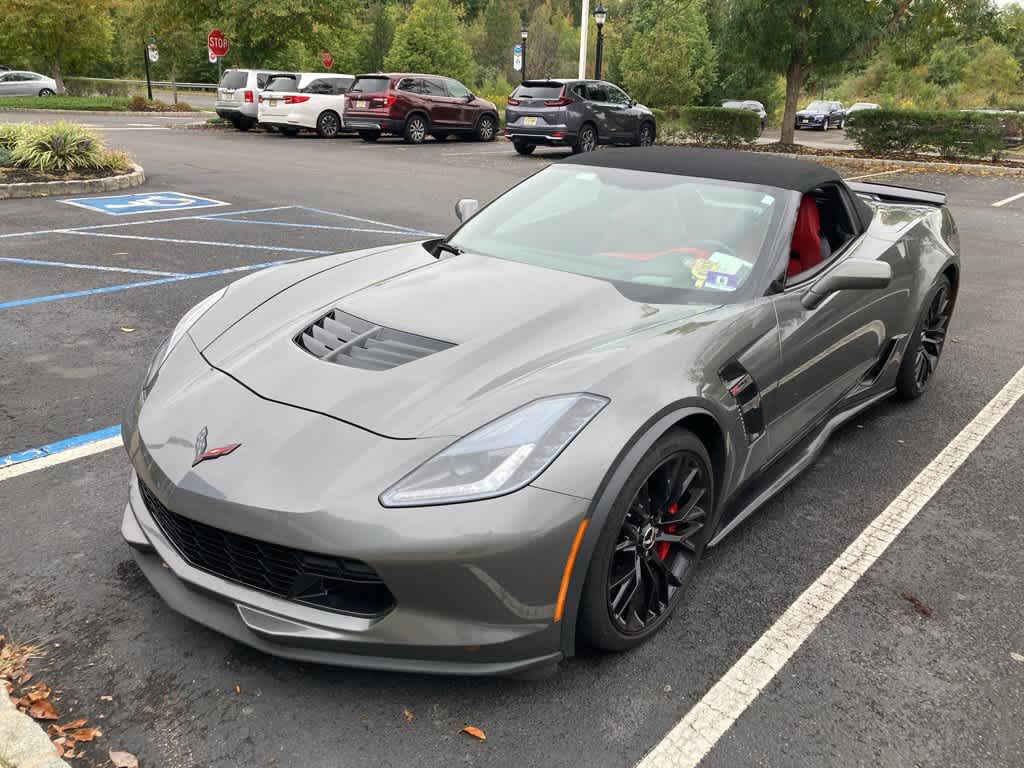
column 660, row 237
column 371, row 84
column 283, row 83
column 732, row 104
column 235, row 78
column 818, row 106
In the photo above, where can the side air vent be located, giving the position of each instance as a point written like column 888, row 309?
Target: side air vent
column 742, row 387
column 345, row 339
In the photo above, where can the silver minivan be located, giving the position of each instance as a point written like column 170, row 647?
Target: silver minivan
column 238, row 95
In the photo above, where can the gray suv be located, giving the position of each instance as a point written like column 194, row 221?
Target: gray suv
column 579, row 114
column 238, row 95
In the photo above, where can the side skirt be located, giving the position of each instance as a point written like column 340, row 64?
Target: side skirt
column 784, row 468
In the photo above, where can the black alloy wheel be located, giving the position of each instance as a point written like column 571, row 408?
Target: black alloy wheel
column 646, row 136
column 921, row 358
column 415, row 130
column 486, row 128
column 328, row 125
column 651, row 544
column 46, row 92
column 586, row 141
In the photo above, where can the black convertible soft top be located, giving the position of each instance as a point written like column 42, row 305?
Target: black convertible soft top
column 727, row 165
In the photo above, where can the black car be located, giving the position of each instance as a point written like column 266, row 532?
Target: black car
column 822, row 115
column 579, row 114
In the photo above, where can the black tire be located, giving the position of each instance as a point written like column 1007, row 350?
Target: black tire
column 824, row 125
column 370, row 136
column 486, row 128
column 523, row 148
column 290, row 132
column 842, row 124
column 46, row 92
column 921, row 358
column 645, row 136
column 586, row 139
column 608, row 603
column 440, row 136
column 242, row 123
column 415, row 129
column 328, row 125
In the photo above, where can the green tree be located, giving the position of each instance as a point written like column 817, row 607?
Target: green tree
column 991, row 76
column 58, row 36
column 380, row 31
column 432, row 39
column 669, row 60
column 947, row 63
column 553, row 45
column 492, row 36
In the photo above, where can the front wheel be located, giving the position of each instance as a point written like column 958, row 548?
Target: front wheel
column 523, row 148
column 824, row 124
column 921, row 357
column 586, row 141
column 651, row 543
column 46, row 92
column 645, row 137
column 842, row 124
column 486, row 128
column 415, row 130
column 328, row 125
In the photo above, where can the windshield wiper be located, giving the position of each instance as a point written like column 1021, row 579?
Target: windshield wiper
column 446, row 247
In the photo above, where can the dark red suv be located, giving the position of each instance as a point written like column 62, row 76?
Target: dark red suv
column 412, row 106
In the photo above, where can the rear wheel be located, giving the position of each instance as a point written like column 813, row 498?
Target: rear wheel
column 586, row 140
column 523, row 148
column 370, row 136
column 328, row 125
column 486, row 128
column 651, row 543
column 46, row 92
column 415, row 129
column 242, row 123
column 921, row 357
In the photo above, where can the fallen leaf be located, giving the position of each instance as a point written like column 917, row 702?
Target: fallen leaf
column 917, row 602
column 85, row 734
column 123, row 759
column 24, row 678
column 1017, row 656
column 37, row 692
column 42, row 710
column 127, row 330
column 238, row 689
column 407, row 714
column 475, row 732
column 58, row 744
column 106, row 698
column 70, row 726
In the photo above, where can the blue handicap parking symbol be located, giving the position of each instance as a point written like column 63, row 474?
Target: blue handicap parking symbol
column 144, row 202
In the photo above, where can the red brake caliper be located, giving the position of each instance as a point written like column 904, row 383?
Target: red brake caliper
column 663, row 546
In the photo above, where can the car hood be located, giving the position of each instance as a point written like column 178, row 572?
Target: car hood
column 517, row 332
column 809, row 113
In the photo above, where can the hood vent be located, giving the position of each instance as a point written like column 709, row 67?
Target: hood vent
column 340, row 338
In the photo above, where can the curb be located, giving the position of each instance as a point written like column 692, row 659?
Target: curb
column 72, row 187
column 23, row 742
column 910, row 165
column 151, row 113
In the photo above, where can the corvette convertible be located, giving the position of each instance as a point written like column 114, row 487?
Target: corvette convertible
column 473, row 454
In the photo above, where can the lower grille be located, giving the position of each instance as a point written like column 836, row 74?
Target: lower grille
column 321, row 581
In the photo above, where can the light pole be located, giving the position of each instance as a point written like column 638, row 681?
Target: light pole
column 600, row 16
column 523, row 33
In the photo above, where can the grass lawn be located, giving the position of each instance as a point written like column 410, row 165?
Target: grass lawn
column 97, row 103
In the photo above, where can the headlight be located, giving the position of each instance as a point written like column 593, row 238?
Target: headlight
column 500, row 457
column 187, row 321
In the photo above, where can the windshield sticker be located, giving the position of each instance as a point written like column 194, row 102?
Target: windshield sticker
column 731, row 265
column 700, row 269
column 721, row 281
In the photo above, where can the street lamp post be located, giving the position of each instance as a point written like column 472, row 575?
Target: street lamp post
column 600, row 16
column 523, row 33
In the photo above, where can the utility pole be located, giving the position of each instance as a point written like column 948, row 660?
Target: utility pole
column 584, row 27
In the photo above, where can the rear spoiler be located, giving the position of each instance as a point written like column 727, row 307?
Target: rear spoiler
column 888, row 193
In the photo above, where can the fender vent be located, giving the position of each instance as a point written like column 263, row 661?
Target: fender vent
column 744, row 390
column 345, row 339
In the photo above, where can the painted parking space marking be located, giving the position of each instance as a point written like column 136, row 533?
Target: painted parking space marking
column 144, row 202
column 392, row 232
column 54, row 454
column 872, row 175
column 215, row 243
column 364, row 220
column 1007, row 200
column 96, row 267
column 696, row 734
column 60, row 446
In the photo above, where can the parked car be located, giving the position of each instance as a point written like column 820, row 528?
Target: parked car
column 414, row 106
column 821, row 114
column 580, row 114
column 309, row 100
column 238, row 95
column 19, row 83
column 753, row 106
column 860, row 106
column 4, row 68
column 1012, row 121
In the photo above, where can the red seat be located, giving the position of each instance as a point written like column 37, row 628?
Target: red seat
column 805, row 250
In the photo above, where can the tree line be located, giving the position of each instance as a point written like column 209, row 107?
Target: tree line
column 666, row 53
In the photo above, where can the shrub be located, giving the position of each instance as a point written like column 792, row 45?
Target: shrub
column 142, row 104
column 58, row 147
column 717, row 125
column 5, row 157
column 950, row 134
column 10, row 133
column 87, row 86
column 116, row 160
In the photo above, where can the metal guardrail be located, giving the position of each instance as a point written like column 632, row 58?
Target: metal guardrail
column 163, row 84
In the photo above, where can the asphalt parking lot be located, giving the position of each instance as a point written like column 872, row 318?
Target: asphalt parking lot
column 85, row 298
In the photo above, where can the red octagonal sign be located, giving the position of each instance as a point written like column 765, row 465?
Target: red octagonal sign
column 326, row 59
column 217, row 43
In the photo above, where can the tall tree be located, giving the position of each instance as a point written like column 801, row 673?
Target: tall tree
column 380, row 31
column 432, row 39
column 796, row 37
column 58, row 35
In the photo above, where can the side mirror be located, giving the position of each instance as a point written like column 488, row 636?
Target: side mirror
column 470, row 96
column 849, row 275
column 465, row 208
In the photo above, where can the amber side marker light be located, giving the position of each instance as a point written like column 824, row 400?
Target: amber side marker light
column 567, row 571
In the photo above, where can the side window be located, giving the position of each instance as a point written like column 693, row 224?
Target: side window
column 579, row 90
column 262, row 78
column 616, row 95
column 319, row 86
column 457, row 90
column 824, row 226
column 33, row 77
column 433, row 87
column 596, row 92
column 409, row 85
column 342, row 84
column 6, row 78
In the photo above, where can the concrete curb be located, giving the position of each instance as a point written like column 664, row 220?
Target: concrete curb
column 73, row 186
column 23, row 742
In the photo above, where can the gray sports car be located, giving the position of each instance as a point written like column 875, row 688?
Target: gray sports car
column 471, row 454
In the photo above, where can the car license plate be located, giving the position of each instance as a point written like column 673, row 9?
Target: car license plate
column 529, row 121
column 359, row 104
column 272, row 102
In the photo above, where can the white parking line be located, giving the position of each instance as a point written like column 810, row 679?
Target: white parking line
column 701, row 728
column 71, row 454
column 872, row 175
column 1010, row 199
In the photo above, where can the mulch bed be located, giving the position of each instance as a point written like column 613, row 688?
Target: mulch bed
column 24, row 175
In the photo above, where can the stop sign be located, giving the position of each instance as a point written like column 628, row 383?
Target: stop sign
column 326, row 59
column 217, row 43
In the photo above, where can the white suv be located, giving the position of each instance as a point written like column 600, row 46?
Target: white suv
column 238, row 95
column 311, row 100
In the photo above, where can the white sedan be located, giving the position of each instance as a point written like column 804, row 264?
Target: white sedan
column 17, row 83
column 309, row 100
